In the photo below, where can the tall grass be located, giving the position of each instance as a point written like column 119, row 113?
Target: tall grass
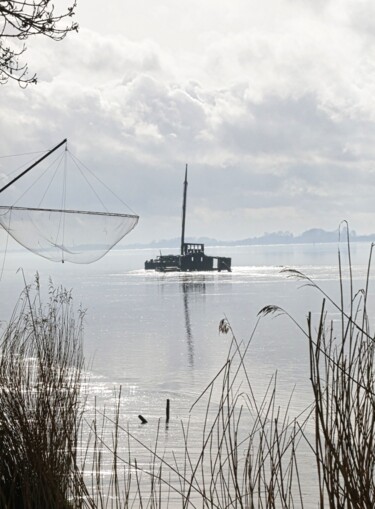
column 343, row 382
column 249, row 448
column 246, row 458
column 40, row 408
column 342, row 375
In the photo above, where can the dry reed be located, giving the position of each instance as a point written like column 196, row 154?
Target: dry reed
column 248, row 457
column 40, row 412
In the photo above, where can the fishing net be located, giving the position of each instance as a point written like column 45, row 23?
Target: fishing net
column 63, row 233
column 66, row 235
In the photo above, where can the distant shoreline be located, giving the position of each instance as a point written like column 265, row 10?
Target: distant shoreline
column 313, row 236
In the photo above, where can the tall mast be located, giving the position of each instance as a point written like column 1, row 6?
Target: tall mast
column 184, row 212
column 32, row 166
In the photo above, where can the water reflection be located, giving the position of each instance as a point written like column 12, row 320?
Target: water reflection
column 190, row 287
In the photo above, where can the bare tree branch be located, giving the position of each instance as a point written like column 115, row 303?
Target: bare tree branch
column 24, row 18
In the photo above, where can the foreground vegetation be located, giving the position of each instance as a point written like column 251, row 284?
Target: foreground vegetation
column 51, row 455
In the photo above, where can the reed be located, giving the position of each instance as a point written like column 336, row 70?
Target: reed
column 40, row 409
column 52, row 455
column 247, row 457
column 342, row 375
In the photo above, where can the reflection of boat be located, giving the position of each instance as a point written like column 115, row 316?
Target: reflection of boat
column 192, row 256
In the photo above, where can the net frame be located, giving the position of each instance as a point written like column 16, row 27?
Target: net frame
column 41, row 239
column 66, row 251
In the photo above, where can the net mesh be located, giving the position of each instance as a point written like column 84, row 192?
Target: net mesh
column 57, row 212
column 66, row 235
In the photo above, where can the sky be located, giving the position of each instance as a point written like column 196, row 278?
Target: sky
column 271, row 104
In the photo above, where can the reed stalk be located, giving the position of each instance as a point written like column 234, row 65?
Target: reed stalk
column 51, row 455
column 40, row 410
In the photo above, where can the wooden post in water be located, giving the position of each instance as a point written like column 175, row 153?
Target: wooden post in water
column 167, row 412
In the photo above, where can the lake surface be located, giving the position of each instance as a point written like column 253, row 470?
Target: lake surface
column 156, row 335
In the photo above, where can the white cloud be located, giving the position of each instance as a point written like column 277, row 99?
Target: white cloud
column 271, row 105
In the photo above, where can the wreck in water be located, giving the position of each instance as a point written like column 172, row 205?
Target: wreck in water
column 192, row 257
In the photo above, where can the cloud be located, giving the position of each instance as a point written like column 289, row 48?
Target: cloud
column 273, row 108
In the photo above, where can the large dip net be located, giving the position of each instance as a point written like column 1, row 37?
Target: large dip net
column 63, row 211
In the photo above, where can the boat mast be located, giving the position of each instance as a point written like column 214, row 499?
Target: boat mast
column 32, row 166
column 184, row 213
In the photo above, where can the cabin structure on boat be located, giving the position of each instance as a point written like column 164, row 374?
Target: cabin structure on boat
column 192, row 257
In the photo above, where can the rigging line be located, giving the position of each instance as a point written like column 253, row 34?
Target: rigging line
column 85, row 212
column 50, row 183
column 19, row 168
column 64, row 203
column 35, row 163
column 37, row 180
column 89, row 184
column 6, row 248
column 24, row 154
column 62, row 207
column 101, row 182
column 25, row 163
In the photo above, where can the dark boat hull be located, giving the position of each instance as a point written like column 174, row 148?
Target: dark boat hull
column 190, row 262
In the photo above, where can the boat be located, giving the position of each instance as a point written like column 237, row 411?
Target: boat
column 192, row 257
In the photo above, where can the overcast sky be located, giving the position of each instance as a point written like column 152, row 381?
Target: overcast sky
column 272, row 105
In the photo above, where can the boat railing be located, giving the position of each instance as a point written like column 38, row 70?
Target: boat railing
column 193, row 248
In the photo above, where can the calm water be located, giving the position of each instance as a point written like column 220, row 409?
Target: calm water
column 157, row 336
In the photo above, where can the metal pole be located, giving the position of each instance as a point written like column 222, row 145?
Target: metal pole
column 167, row 411
column 32, row 166
column 183, row 213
